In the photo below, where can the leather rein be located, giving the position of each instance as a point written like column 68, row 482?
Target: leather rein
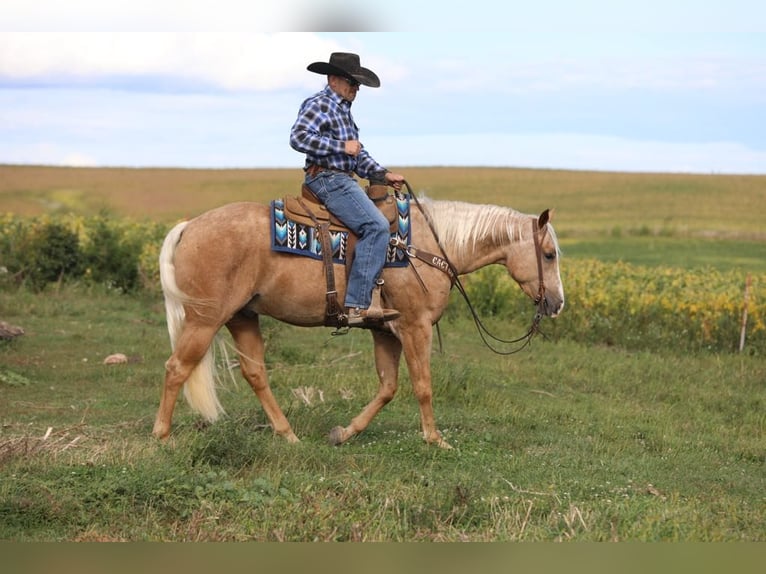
column 443, row 263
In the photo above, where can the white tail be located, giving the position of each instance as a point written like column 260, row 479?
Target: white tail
column 199, row 388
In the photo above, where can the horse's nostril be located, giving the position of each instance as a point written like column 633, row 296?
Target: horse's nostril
column 553, row 307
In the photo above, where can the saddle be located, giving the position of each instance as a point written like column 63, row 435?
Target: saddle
column 308, row 210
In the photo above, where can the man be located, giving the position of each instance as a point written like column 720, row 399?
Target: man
column 326, row 132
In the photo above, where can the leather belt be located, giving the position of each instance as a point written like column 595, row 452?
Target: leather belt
column 314, row 169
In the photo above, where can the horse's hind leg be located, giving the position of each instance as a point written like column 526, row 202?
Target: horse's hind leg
column 189, row 351
column 246, row 332
column 388, row 351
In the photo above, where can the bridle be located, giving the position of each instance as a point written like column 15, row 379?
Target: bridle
column 443, row 263
column 537, row 237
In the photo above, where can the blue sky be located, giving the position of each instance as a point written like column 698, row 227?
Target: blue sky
column 664, row 86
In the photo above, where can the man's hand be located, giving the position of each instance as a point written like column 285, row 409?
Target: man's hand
column 395, row 180
column 353, row 147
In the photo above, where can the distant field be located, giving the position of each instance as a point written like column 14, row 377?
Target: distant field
column 684, row 253
column 586, row 203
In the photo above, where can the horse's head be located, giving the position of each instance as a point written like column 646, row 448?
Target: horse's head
column 534, row 264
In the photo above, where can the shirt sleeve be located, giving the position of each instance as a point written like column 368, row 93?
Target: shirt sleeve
column 308, row 135
column 368, row 168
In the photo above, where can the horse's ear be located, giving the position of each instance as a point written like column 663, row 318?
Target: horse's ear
column 544, row 218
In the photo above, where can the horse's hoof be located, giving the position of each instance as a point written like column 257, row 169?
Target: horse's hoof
column 292, row 439
column 444, row 444
column 336, row 436
column 439, row 441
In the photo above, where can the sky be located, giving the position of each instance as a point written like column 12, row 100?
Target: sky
column 651, row 86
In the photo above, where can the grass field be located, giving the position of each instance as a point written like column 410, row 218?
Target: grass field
column 568, row 440
column 564, row 442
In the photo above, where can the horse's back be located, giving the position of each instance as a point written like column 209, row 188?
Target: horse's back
column 227, row 223
column 229, row 216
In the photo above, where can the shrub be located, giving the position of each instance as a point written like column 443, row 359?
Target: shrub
column 114, row 252
column 53, row 254
column 110, row 257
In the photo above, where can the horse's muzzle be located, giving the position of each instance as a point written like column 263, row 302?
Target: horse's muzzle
column 551, row 305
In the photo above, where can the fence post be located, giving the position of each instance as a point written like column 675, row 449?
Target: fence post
column 743, row 327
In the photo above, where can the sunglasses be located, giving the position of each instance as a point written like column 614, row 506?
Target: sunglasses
column 351, row 82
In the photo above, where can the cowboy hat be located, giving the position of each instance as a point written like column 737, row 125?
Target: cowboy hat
column 347, row 65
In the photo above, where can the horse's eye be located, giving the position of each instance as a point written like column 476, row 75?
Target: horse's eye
column 550, row 256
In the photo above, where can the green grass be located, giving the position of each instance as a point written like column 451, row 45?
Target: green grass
column 679, row 252
column 561, row 442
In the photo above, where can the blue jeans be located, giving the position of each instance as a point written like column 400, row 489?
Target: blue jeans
column 343, row 197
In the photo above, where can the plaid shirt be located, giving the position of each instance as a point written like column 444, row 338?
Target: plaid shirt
column 323, row 126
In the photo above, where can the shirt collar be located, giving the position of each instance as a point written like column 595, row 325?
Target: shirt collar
column 341, row 101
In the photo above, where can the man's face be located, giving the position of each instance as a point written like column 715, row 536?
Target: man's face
column 345, row 88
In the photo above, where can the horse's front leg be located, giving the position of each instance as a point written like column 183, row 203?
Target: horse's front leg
column 417, row 352
column 388, row 351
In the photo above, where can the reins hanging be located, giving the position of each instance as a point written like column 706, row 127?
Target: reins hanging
column 443, row 263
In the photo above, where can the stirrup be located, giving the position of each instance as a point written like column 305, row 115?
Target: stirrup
column 362, row 317
column 375, row 311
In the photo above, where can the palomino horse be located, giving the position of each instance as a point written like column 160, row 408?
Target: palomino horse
column 219, row 269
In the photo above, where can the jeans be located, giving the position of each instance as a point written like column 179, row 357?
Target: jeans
column 343, row 197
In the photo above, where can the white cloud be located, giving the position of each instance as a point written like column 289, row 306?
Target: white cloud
column 221, row 60
column 45, row 153
column 144, row 15
column 229, row 16
column 560, row 16
column 258, row 61
column 162, row 60
column 75, row 159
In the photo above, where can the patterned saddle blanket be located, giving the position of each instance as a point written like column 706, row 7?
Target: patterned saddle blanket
column 294, row 232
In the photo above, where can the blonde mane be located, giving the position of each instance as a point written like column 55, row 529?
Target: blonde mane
column 461, row 225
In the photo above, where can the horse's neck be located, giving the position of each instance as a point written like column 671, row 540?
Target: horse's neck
column 484, row 252
column 471, row 245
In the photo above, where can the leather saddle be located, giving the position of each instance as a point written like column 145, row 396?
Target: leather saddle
column 308, row 210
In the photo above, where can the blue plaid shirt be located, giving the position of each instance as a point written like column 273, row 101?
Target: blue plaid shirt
column 323, row 126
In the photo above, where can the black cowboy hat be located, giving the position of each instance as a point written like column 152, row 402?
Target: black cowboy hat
column 348, row 66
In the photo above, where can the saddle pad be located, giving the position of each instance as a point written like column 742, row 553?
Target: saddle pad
column 288, row 236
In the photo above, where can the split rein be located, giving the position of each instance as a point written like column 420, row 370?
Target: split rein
column 443, row 263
